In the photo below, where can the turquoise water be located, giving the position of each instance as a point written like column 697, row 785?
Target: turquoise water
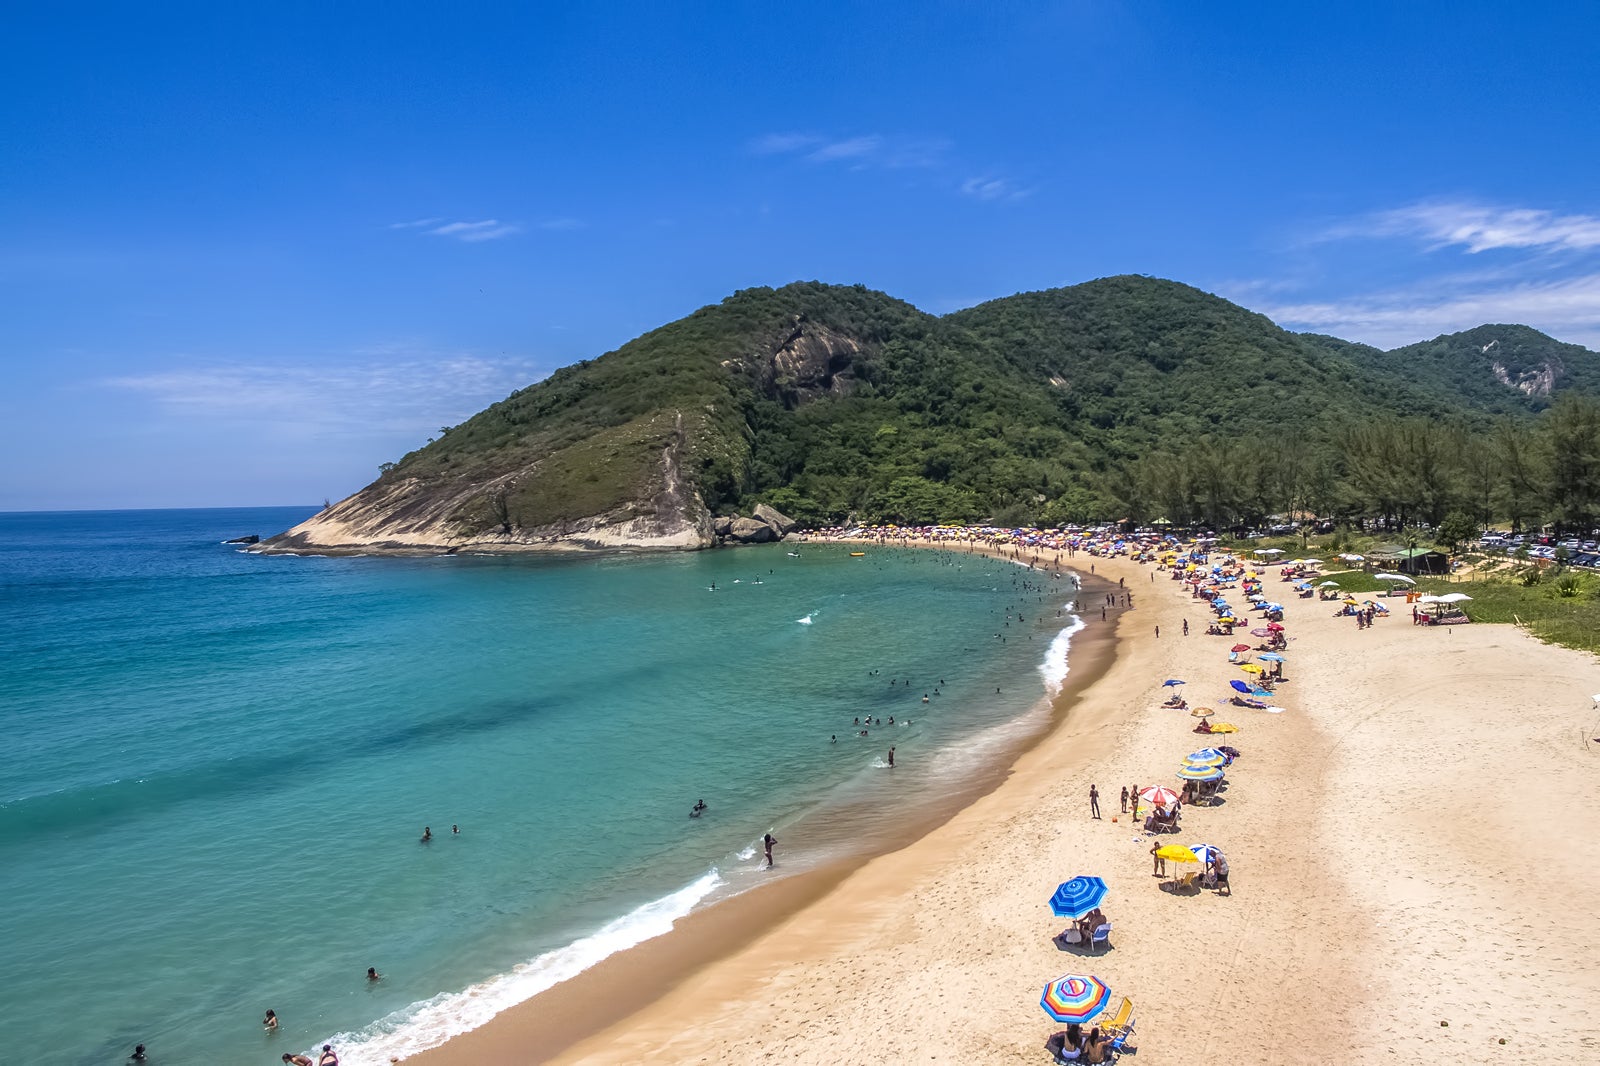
column 218, row 765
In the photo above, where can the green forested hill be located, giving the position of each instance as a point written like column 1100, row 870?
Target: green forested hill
column 1123, row 397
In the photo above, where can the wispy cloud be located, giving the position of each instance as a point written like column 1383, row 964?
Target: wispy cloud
column 1475, row 227
column 859, row 151
column 1566, row 308
column 993, row 188
column 488, row 229
column 396, row 390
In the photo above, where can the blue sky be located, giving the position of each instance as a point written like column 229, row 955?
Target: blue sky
column 249, row 252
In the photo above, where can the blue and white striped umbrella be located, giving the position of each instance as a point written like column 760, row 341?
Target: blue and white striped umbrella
column 1271, row 657
column 1205, row 852
column 1205, row 757
column 1077, row 897
column 1201, row 773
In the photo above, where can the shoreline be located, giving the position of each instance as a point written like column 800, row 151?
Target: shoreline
column 1395, row 892
column 582, row 1007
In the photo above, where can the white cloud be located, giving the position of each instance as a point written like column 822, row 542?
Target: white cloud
column 1566, row 308
column 783, row 143
column 992, row 188
column 417, row 223
column 487, row 230
column 850, row 148
column 1476, row 227
column 395, row 390
column 865, row 150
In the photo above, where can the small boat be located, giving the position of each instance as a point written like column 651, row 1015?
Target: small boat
column 857, row 555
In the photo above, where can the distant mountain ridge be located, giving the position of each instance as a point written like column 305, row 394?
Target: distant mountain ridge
column 831, row 401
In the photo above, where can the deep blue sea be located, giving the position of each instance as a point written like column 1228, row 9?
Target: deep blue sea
column 217, row 766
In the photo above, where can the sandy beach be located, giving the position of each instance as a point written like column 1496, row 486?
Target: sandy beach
column 1405, row 880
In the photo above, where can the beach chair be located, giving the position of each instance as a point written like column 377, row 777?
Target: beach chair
column 1101, row 935
column 1119, row 1027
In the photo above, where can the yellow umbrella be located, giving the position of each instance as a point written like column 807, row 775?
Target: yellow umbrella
column 1350, row 600
column 1224, row 727
column 1250, row 668
column 1176, row 853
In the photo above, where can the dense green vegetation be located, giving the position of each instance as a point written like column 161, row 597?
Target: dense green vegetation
column 1125, row 398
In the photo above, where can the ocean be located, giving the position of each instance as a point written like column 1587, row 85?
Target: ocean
column 218, row 766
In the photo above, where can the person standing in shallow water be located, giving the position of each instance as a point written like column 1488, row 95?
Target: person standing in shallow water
column 769, row 842
column 891, row 758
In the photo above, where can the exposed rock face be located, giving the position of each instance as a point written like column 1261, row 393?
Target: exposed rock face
column 812, row 361
column 781, row 523
column 1534, row 381
column 722, row 526
column 752, row 531
column 408, row 515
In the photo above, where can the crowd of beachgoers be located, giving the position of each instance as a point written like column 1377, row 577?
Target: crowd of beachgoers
column 1244, row 595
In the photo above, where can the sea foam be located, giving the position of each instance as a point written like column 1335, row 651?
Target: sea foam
column 1055, row 666
column 431, row 1022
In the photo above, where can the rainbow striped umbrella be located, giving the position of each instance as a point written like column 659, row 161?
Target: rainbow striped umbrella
column 1075, row 998
column 1201, row 773
column 1077, row 897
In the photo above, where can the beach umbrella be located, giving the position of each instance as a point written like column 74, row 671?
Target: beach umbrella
column 1205, row 757
column 1241, row 647
column 1169, row 682
column 1201, row 773
column 1274, row 627
column 1158, row 795
column 1201, row 712
column 1077, row 897
column 1250, row 668
column 1205, row 852
column 1260, row 632
column 1176, row 853
column 1271, row 657
column 1239, row 686
column 1395, row 577
column 1076, row 998
column 1328, row 585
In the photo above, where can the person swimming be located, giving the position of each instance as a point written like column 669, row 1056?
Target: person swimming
column 698, row 808
column 373, row 974
column 427, row 835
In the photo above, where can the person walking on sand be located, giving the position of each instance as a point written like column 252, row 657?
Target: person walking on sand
column 1133, row 797
column 1094, row 800
column 769, row 842
column 1124, row 799
column 1185, row 627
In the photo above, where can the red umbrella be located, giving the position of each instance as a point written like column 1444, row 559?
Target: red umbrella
column 1274, row 627
column 1241, row 647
